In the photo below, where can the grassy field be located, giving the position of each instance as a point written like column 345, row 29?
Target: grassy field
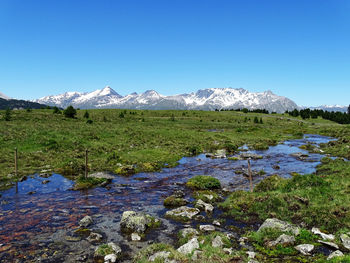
column 124, row 141
column 147, row 140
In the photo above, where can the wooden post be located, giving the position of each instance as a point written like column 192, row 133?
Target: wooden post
column 16, row 169
column 86, row 163
column 250, row 176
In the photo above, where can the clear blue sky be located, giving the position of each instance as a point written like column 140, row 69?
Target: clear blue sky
column 296, row 48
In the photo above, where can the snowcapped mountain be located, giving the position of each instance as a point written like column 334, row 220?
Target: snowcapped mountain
column 3, row 96
column 205, row 99
column 331, row 108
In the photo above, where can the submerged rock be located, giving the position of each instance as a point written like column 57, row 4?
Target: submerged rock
column 245, row 156
column 204, row 206
column 300, row 156
column 280, row 225
column 94, row 237
column 86, row 221
column 102, row 175
column 207, row 228
column 305, row 249
column 189, row 246
column 135, row 237
column 183, row 213
column 137, row 222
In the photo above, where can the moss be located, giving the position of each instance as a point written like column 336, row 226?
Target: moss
column 86, row 183
column 204, row 195
column 203, row 182
column 173, row 201
column 143, row 255
column 270, row 183
column 103, row 250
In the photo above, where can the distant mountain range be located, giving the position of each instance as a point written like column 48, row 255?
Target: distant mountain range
column 205, row 99
column 331, row 108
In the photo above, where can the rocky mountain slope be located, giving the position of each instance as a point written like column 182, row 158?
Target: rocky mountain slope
column 206, row 99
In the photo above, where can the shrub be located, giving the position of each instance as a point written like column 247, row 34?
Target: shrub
column 7, row 116
column 56, row 110
column 203, row 182
column 70, row 112
column 86, row 115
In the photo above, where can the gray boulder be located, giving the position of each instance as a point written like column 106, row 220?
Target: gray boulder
column 217, row 242
column 136, row 222
column 282, row 240
column 305, row 249
column 345, row 239
column 207, row 228
column 159, row 255
column 336, row 253
column 316, row 231
column 189, row 246
column 280, row 225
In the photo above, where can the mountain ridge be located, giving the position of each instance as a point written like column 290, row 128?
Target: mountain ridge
column 203, row 99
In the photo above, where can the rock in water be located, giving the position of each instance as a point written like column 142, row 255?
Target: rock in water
column 110, row 258
column 136, row 222
column 207, row 228
column 189, row 246
column 86, row 221
column 204, row 206
column 135, row 237
column 183, row 212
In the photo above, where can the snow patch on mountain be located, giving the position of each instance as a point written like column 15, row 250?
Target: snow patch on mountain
column 3, row 96
column 205, row 99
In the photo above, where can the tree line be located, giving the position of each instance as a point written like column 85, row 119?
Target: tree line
column 336, row 116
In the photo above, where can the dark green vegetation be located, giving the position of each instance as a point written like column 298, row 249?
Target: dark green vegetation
column 19, row 104
column 339, row 117
column 203, row 182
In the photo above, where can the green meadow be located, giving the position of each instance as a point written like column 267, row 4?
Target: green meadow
column 138, row 140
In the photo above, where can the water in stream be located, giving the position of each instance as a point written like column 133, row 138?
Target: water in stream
column 34, row 227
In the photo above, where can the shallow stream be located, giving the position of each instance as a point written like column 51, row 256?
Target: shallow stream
column 35, row 226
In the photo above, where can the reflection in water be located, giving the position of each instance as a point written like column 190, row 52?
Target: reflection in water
column 29, row 221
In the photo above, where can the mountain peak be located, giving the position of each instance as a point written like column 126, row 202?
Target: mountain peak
column 204, row 99
column 3, row 96
column 108, row 91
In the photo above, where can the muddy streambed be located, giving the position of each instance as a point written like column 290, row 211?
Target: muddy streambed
column 39, row 226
